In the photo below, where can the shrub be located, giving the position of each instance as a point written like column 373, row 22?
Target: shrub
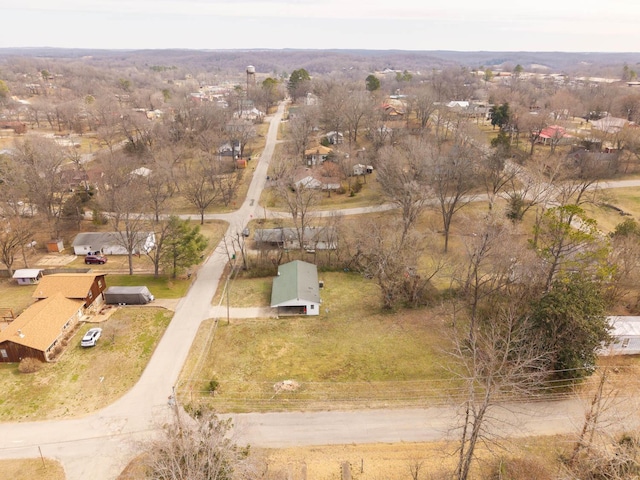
column 213, row 386
column 520, row 469
column 98, row 218
column 29, row 365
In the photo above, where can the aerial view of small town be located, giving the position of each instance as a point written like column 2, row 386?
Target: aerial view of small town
column 318, row 263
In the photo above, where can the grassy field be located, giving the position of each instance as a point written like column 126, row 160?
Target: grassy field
column 627, row 199
column 351, row 355
column 245, row 292
column 84, row 380
column 31, row 468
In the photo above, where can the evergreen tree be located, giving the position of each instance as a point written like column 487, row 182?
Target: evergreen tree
column 183, row 245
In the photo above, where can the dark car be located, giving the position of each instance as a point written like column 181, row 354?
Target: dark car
column 93, row 259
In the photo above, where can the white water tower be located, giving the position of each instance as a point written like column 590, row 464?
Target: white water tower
column 251, row 76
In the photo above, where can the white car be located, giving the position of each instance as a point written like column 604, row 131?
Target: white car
column 91, row 337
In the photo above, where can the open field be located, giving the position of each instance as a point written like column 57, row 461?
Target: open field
column 626, row 199
column 85, row 379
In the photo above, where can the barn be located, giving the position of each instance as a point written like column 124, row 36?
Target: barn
column 296, row 290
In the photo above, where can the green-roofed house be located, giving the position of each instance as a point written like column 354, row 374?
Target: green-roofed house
column 296, row 290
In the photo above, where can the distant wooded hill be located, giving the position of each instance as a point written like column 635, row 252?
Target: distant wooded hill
column 326, row 61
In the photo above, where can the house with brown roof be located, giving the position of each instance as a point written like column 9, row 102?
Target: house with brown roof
column 40, row 329
column 87, row 287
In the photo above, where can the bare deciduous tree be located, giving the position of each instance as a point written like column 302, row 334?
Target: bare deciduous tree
column 198, row 187
column 39, row 162
column 502, row 360
column 199, row 449
column 452, row 179
column 14, row 234
column 403, row 177
column 390, row 257
column 299, row 129
column 299, row 199
column 123, row 196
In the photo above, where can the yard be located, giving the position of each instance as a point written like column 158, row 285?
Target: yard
column 84, row 380
column 369, row 194
column 352, row 355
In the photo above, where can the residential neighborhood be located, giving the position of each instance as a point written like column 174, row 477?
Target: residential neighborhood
column 338, row 260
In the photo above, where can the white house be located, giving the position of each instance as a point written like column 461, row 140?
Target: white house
column 296, row 290
column 317, row 155
column 111, row 243
column 335, row 138
column 360, row 169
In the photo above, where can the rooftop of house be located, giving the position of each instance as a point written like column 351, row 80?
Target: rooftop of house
column 296, row 280
column 27, row 273
column 71, row 285
column 40, row 324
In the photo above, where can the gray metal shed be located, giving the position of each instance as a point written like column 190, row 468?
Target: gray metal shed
column 135, row 295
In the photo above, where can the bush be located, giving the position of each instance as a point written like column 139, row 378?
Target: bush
column 29, row 365
column 98, row 218
column 213, row 386
column 520, row 469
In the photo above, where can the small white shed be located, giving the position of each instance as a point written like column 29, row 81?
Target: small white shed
column 28, row 276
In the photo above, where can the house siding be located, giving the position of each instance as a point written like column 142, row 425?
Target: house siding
column 16, row 352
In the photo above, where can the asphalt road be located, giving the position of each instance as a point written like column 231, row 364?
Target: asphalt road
column 99, row 446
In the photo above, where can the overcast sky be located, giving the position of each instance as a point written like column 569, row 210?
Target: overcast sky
column 543, row 25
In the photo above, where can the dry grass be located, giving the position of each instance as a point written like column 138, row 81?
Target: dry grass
column 84, row 380
column 352, row 355
column 31, row 468
column 14, row 296
column 394, row 461
column 436, row 460
column 370, row 194
column 627, row 199
column 245, row 292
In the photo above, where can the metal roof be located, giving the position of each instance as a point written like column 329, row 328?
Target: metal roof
column 296, row 280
